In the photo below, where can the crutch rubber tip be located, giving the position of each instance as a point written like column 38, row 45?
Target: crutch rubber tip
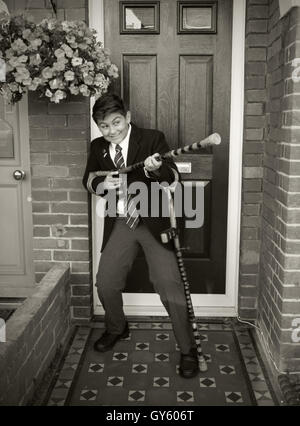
column 203, row 366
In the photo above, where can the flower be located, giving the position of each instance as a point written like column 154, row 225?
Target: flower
column 54, row 58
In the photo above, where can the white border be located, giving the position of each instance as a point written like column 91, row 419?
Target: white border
column 204, row 305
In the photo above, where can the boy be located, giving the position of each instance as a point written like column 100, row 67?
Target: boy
column 123, row 144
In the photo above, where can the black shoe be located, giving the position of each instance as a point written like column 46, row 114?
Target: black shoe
column 189, row 366
column 108, row 340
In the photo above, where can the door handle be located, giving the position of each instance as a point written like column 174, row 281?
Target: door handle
column 19, row 174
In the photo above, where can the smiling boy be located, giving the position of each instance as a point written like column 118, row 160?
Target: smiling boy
column 123, row 144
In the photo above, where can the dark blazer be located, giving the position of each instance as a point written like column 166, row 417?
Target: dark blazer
column 142, row 143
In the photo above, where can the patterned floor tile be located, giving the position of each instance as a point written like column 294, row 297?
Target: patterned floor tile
column 208, row 382
column 139, row 368
column 120, row 356
column 185, row 396
column 96, row 368
column 88, row 394
column 142, row 346
column 233, row 397
column 115, row 381
column 227, row 369
column 136, row 395
column 162, row 337
column 162, row 382
column 143, row 370
column 222, row 348
column 163, row 357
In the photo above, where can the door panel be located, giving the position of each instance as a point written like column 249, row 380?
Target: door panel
column 181, row 84
column 140, row 74
column 16, row 263
column 196, row 93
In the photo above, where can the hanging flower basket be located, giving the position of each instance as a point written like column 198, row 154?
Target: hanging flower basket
column 54, row 58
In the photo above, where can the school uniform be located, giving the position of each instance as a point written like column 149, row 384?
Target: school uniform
column 121, row 243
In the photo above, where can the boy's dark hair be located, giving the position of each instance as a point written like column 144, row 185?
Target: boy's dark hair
column 108, row 104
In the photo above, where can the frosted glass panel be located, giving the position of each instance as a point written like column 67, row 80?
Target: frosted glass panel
column 196, row 18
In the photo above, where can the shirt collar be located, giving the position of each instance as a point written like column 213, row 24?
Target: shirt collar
column 125, row 141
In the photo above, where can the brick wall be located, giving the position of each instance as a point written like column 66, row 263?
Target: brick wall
column 253, row 149
column 34, row 333
column 59, row 140
column 280, row 259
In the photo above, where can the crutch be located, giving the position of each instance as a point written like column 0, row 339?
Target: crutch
column 213, row 139
column 172, row 234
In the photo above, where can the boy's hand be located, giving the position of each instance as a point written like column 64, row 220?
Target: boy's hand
column 112, row 181
column 152, row 163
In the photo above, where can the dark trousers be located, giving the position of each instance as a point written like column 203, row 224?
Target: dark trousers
column 115, row 263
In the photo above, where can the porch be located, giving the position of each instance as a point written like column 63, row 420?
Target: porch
column 268, row 264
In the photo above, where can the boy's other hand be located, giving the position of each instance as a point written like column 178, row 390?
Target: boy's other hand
column 112, row 181
column 152, row 163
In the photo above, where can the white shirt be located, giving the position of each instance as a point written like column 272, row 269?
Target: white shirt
column 124, row 145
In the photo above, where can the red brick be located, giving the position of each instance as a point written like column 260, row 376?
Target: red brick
column 252, row 185
column 254, row 134
column 79, row 196
column 47, row 120
column 72, row 256
column 257, row 11
column 257, row 26
column 81, row 290
column 50, row 171
column 40, row 207
column 69, row 4
column 75, row 123
column 69, row 108
column 258, row 82
column 256, row 54
column 254, row 108
column 42, row 254
column 38, row 133
column 50, row 243
column 79, row 267
column 41, row 231
column 49, row 219
column 67, row 158
column 72, row 183
column 257, row 40
column 79, row 219
column 67, row 133
column 76, row 14
column 76, row 232
column 55, row 146
column 50, row 195
column 69, row 208
column 80, row 244
column 83, row 312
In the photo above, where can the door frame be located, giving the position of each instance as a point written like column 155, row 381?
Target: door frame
column 22, row 283
column 204, row 305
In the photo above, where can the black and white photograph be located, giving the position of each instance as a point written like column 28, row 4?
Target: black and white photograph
column 150, row 206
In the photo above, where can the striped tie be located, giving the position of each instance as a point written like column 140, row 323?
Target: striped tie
column 132, row 217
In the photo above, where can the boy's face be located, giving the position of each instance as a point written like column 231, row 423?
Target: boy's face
column 114, row 127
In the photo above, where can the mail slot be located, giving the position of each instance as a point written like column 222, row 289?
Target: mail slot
column 184, row 167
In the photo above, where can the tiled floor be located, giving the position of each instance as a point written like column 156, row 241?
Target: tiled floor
column 142, row 370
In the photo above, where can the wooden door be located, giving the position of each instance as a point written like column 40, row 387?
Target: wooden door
column 16, row 263
column 177, row 79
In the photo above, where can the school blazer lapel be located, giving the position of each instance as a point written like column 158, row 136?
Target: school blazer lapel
column 134, row 144
column 105, row 156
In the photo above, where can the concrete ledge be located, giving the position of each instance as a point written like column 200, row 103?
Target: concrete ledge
column 33, row 334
